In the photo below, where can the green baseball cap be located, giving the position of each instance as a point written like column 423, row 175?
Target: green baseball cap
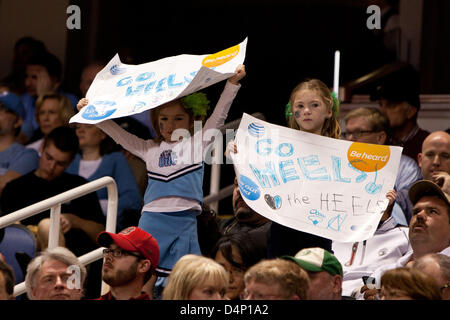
column 317, row 260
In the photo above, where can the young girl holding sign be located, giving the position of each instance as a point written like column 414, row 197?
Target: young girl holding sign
column 314, row 109
column 174, row 193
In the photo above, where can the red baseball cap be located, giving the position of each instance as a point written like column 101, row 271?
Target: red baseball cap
column 133, row 239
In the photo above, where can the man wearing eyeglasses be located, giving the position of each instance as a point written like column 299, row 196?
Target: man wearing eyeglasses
column 390, row 241
column 369, row 125
column 131, row 258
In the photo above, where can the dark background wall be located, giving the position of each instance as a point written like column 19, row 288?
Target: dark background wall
column 287, row 41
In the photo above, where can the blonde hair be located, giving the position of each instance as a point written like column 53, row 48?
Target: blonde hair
column 331, row 127
column 189, row 272
column 291, row 278
column 377, row 121
column 411, row 282
column 66, row 110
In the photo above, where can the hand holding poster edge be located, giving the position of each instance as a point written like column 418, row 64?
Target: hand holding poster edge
column 341, row 226
column 120, row 90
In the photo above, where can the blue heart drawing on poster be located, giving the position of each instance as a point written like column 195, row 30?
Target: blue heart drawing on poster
column 273, row 202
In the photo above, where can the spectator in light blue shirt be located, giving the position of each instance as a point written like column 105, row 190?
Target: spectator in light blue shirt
column 15, row 159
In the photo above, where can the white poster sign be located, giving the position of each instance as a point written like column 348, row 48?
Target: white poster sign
column 328, row 187
column 120, row 89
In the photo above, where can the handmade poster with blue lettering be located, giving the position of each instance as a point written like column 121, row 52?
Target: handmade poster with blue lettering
column 328, row 187
column 120, row 90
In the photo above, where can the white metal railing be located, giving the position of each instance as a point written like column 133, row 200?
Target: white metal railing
column 54, row 204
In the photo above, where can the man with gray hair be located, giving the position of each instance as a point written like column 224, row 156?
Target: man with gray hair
column 276, row 279
column 438, row 266
column 56, row 274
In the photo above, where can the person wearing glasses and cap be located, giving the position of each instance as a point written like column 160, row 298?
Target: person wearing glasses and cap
column 131, row 257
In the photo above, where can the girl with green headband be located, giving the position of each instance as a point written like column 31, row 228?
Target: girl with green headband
column 314, row 109
column 311, row 108
column 175, row 166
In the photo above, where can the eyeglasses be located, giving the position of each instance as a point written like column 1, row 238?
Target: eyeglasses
column 447, row 285
column 356, row 134
column 117, row 253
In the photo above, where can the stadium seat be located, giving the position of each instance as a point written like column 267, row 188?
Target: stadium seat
column 18, row 246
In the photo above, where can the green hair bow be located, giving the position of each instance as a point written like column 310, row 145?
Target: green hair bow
column 336, row 103
column 287, row 110
column 197, row 102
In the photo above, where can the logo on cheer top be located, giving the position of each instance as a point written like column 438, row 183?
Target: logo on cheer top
column 248, row 188
column 99, row 110
column 256, row 130
column 219, row 58
column 115, row 70
column 368, row 157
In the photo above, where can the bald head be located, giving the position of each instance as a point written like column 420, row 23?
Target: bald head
column 438, row 266
column 435, row 155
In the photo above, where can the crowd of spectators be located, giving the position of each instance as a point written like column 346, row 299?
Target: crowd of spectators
column 42, row 155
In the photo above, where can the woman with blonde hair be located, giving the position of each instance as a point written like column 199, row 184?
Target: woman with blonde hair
column 196, row 277
column 52, row 110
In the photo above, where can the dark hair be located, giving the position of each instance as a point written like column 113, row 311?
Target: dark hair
column 208, row 230
column 49, row 61
column 402, row 85
column 37, row 45
column 63, row 138
column 250, row 252
column 8, row 274
column 108, row 145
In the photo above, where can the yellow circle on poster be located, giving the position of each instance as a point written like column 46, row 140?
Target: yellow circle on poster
column 216, row 59
column 368, row 157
